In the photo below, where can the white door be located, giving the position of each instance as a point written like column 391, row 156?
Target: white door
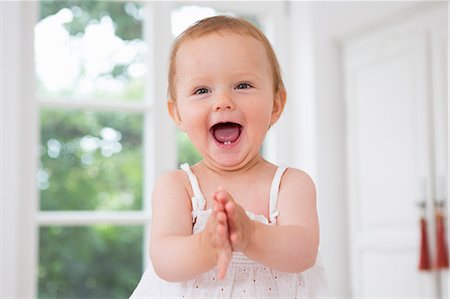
column 391, row 154
column 439, row 56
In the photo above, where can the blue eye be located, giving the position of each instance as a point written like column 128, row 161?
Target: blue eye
column 243, row 86
column 201, row 91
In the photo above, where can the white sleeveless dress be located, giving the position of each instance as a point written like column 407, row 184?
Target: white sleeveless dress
column 245, row 278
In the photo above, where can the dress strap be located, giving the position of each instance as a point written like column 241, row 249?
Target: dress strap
column 273, row 212
column 198, row 200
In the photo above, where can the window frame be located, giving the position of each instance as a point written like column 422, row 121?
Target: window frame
column 19, row 116
column 156, row 160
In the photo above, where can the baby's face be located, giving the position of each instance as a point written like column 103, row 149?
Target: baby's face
column 225, row 97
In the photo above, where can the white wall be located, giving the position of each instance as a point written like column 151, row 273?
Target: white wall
column 18, row 238
column 9, row 173
column 315, row 86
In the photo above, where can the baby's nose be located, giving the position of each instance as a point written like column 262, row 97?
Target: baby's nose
column 223, row 101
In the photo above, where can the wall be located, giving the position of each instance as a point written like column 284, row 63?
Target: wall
column 18, row 237
column 9, row 182
column 316, row 88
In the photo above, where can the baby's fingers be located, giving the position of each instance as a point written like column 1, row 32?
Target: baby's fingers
column 222, row 196
column 221, row 229
column 223, row 245
column 223, row 262
column 230, row 209
column 218, row 206
column 221, row 218
column 232, row 217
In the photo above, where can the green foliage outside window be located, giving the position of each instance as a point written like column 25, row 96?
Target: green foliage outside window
column 101, row 262
column 95, row 49
column 187, row 153
column 90, row 161
column 127, row 16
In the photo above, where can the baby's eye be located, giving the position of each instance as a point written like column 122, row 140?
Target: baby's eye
column 243, row 86
column 201, row 91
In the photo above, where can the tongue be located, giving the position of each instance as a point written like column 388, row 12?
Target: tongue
column 226, row 132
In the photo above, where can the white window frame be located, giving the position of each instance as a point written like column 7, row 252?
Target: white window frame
column 20, row 127
column 18, row 139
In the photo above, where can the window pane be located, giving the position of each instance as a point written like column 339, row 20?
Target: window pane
column 89, row 262
column 184, row 16
column 186, row 150
column 90, row 50
column 90, row 160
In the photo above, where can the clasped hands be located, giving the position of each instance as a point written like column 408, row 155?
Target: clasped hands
column 228, row 229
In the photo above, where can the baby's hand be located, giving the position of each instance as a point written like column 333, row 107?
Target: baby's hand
column 240, row 226
column 217, row 228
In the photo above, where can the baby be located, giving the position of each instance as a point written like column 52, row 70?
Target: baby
column 234, row 224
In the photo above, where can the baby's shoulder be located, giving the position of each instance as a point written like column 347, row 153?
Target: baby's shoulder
column 172, row 176
column 170, row 194
column 296, row 178
column 175, row 180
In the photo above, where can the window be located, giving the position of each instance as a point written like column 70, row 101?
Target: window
column 90, row 62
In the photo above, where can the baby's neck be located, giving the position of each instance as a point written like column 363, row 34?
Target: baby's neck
column 253, row 165
column 249, row 185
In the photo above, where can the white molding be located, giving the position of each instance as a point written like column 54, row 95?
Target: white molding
column 242, row 7
column 391, row 20
column 301, row 97
column 9, row 206
column 28, row 193
column 84, row 218
column 159, row 132
column 134, row 107
column 21, row 132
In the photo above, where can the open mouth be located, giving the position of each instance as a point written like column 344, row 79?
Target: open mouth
column 226, row 133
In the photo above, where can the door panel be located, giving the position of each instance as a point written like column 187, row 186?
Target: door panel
column 394, row 265
column 391, row 150
column 439, row 48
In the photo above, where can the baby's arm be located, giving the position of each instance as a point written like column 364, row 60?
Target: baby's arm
column 291, row 245
column 176, row 253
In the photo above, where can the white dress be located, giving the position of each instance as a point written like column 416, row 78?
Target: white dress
column 245, row 278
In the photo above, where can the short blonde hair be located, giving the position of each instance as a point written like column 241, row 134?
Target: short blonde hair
column 224, row 23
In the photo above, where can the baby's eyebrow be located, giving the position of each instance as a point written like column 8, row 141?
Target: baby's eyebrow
column 197, row 80
column 251, row 75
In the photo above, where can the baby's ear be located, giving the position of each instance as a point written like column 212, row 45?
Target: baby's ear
column 278, row 105
column 174, row 114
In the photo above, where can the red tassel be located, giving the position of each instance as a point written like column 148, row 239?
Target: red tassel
column 424, row 261
column 441, row 244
